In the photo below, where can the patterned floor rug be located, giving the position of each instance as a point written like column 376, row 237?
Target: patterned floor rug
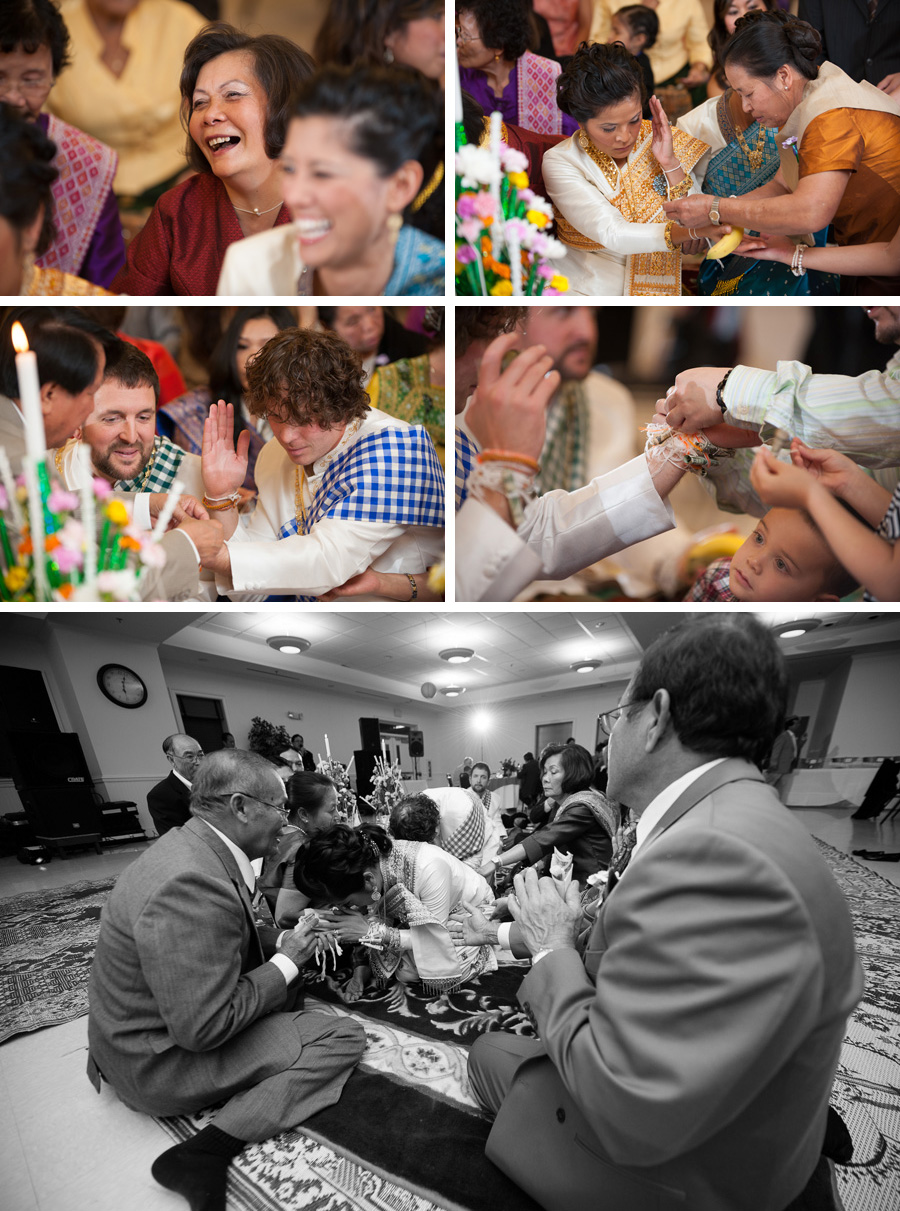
column 407, row 1136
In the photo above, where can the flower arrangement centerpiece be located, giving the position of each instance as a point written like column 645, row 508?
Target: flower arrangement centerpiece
column 510, row 768
column 57, row 545
column 387, row 788
column 503, row 245
column 340, row 776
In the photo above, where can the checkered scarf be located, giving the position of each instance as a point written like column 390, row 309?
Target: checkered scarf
column 393, row 475
column 166, row 458
column 564, row 456
column 469, row 837
column 466, row 453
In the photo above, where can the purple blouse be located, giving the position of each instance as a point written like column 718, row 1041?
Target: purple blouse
column 475, row 83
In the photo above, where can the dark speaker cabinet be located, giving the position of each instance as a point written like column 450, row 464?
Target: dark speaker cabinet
column 416, row 743
column 370, row 735
column 61, row 811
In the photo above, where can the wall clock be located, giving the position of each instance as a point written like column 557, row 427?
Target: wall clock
column 121, row 686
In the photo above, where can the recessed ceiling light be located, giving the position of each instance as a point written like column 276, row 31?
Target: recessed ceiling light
column 585, row 666
column 457, row 655
column 453, row 691
column 796, row 627
column 290, row 645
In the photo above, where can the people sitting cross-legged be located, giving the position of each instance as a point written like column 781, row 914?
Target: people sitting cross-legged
column 409, row 889
column 342, row 486
column 169, row 802
column 192, row 1004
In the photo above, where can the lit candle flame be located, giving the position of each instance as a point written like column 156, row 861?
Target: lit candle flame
column 19, row 339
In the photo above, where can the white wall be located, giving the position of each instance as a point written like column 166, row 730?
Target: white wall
column 867, row 722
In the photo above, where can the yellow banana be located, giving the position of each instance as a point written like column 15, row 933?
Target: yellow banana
column 727, row 244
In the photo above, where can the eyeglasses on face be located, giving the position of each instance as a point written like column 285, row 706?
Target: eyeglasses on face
column 276, row 807
column 608, row 719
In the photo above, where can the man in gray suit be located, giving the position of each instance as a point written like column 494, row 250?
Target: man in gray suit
column 687, row 1057
column 191, row 1003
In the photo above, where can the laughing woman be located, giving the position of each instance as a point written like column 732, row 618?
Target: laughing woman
column 359, row 144
column 235, row 91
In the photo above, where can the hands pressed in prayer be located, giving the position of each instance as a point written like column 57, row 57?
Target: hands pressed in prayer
column 223, row 466
column 548, row 920
column 508, row 410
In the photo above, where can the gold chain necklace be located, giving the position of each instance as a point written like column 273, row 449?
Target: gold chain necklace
column 610, row 169
column 299, row 506
column 753, row 154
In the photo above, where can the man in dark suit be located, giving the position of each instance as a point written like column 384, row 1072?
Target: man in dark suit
column 169, row 802
column 687, row 1056
column 192, row 1004
column 529, row 780
column 305, row 755
column 863, row 42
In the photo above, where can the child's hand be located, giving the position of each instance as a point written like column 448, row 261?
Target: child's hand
column 832, row 470
column 778, row 483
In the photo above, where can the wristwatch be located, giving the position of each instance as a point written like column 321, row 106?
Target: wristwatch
column 714, row 212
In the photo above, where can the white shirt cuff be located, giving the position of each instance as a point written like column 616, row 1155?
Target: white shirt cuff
column 503, row 931
column 286, row 966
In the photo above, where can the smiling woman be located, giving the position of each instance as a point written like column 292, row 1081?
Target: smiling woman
column 359, row 145
column 235, row 91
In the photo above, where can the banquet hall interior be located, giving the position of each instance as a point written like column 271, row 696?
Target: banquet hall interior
column 425, row 690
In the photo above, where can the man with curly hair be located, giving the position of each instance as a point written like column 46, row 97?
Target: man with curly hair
column 342, row 486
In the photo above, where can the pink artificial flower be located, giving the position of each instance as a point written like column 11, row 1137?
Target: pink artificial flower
column 466, row 254
column 102, row 488
column 72, row 534
column 526, row 195
column 470, row 230
column 67, row 559
column 485, row 206
column 465, row 206
column 4, row 499
column 546, row 272
column 61, row 501
column 153, row 555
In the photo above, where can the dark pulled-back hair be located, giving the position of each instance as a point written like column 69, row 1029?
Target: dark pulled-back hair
column 333, row 864
column 504, row 25
column 31, row 24
column 394, row 113
column 727, row 685
column 577, row 763
column 131, row 368
column 415, row 818
column 764, row 41
column 307, row 791
column 280, row 65
column 353, row 31
column 719, row 35
column 307, row 377
column 27, row 173
column 65, row 341
column 223, row 377
column 596, row 77
column 643, row 20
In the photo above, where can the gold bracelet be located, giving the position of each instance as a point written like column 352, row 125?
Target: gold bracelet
column 217, row 506
column 667, row 234
column 415, row 589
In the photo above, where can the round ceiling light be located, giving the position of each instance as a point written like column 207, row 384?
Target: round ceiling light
column 453, row 691
column 585, row 666
column 290, row 645
column 457, row 655
column 796, row 627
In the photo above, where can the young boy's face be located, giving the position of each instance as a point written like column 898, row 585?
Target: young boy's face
column 620, row 31
column 784, row 559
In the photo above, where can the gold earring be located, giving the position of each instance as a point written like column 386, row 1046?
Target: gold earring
column 394, row 224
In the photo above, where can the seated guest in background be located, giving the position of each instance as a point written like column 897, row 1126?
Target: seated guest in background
column 479, row 777
column 409, row 33
column 124, row 448
column 409, row 889
column 703, row 1026
column 122, row 87
column 569, row 22
column 27, row 174
column 463, row 771
column 341, row 485
column 726, row 14
column 169, row 802
column 680, row 55
column 235, row 91
column 312, row 805
column 34, row 49
column 358, row 147
column 374, row 334
column 412, row 388
column 499, row 71
column 637, row 27
column 182, row 420
column 575, row 823
column 845, row 165
column 452, row 817
column 192, row 1004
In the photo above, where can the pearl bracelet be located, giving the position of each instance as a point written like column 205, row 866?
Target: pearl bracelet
column 797, row 261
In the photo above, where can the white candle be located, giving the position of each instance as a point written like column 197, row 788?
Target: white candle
column 384, row 754
column 327, row 747
column 29, row 395
column 36, row 526
column 515, row 263
column 168, row 509
column 459, row 108
column 9, row 483
column 88, row 514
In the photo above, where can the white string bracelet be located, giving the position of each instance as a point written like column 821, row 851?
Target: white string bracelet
column 692, row 452
column 512, row 480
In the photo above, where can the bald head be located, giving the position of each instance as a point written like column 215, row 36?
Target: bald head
column 184, row 754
